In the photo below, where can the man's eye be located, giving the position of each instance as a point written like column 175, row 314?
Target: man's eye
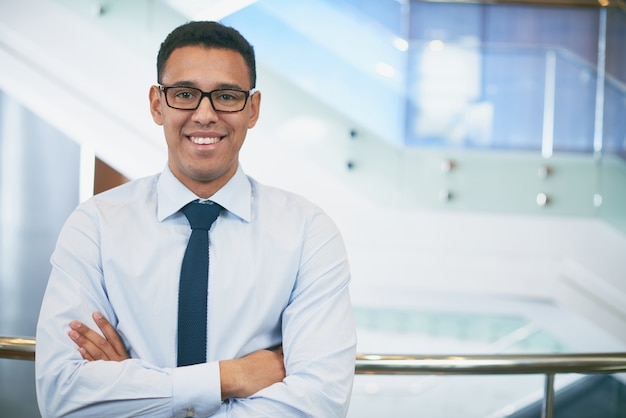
column 185, row 94
column 225, row 97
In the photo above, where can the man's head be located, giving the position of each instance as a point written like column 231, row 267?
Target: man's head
column 205, row 103
column 210, row 35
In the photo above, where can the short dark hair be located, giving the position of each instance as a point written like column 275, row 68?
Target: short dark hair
column 210, row 35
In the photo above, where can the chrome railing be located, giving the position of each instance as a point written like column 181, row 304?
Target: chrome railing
column 546, row 364
column 21, row 348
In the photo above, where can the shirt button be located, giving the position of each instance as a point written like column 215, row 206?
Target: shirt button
column 190, row 412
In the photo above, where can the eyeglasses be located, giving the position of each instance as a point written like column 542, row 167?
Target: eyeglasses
column 222, row 100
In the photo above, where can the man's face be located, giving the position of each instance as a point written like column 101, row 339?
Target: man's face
column 204, row 165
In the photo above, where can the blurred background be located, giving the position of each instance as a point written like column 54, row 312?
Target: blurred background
column 473, row 155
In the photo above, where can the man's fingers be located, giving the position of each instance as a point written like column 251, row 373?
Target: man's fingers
column 85, row 354
column 88, row 341
column 95, row 347
column 111, row 335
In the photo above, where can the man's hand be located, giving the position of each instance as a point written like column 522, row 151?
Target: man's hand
column 92, row 346
column 242, row 377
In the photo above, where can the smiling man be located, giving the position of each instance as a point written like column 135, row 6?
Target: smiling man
column 277, row 334
column 203, row 143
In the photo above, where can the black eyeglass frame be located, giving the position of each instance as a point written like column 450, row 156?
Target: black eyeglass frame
column 206, row 94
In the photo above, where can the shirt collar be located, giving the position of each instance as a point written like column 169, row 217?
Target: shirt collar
column 234, row 196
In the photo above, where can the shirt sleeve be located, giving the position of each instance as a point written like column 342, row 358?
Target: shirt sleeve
column 66, row 384
column 319, row 336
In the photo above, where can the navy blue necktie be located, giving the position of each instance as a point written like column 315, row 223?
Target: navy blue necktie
column 193, row 287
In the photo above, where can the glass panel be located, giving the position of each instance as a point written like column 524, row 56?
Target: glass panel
column 615, row 94
column 500, row 76
column 438, row 396
column 518, row 396
column 486, row 76
column 391, row 321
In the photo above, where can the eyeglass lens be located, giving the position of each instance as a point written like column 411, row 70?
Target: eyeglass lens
column 188, row 98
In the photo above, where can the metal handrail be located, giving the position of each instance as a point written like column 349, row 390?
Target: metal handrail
column 589, row 363
column 23, row 348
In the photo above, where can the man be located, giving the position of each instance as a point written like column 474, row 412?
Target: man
column 280, row 336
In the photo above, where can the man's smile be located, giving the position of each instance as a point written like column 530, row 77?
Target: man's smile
column 204, row 140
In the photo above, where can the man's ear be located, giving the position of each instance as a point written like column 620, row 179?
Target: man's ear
column 255, row 108
column 155, row 105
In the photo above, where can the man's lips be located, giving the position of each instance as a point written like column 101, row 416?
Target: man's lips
column 205, row 140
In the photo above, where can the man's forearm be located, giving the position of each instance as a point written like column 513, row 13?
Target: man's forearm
column 239, row 378
column 242, row 377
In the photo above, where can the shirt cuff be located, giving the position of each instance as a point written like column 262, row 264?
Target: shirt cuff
column 196, row 390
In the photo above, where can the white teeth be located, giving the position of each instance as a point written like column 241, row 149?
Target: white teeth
column 203, row 140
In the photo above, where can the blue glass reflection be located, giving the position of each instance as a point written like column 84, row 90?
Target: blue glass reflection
column 484, row 76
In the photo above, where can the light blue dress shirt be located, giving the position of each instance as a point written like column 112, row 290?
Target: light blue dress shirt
column 278, row 274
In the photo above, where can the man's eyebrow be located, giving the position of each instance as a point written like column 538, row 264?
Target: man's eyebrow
column 184, row 83
column 230, row 86
column 187, row 83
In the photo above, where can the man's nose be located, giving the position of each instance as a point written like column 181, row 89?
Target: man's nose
column 205, row 112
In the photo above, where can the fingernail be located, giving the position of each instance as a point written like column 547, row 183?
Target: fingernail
column 74, row 335
column 74, row 324
column 97, row 315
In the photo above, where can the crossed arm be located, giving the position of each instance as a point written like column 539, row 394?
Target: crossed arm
column 239, row 378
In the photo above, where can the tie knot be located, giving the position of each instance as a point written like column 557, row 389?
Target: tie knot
column 201, row 215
